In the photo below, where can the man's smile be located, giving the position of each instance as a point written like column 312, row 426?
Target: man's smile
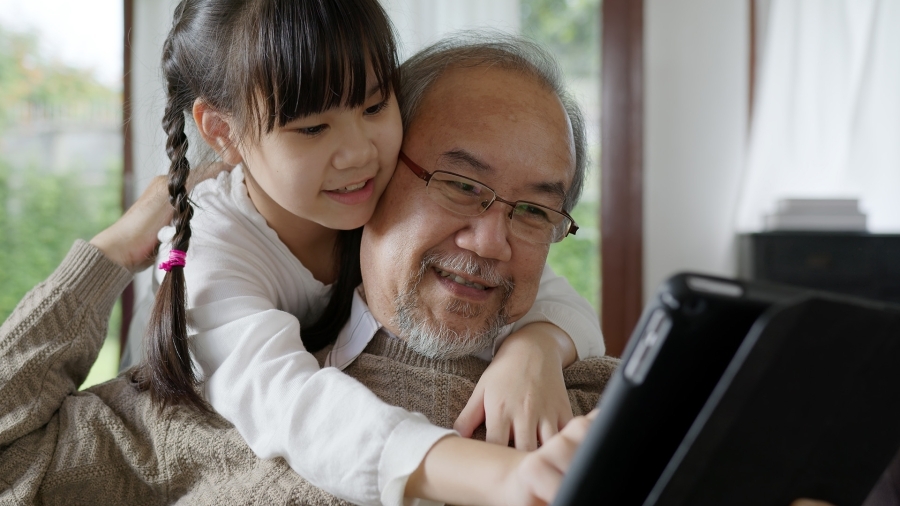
column 461, row 280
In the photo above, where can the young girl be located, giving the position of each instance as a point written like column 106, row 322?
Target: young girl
column 300, row 96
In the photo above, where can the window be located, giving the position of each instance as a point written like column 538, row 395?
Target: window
column 60, row 140
column 570, row 29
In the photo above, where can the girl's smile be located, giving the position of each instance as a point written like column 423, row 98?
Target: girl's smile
column 353, row 194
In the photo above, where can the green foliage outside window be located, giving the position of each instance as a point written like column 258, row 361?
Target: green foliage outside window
column 42, row 209
column 29, row 77
column 571, row 30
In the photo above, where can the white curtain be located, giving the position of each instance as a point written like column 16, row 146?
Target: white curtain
column 826, row 119
column 421, row 22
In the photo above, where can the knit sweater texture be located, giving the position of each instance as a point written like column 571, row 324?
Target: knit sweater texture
column 110, row 445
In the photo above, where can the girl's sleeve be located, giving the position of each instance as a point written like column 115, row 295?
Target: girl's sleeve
column 331, row 429
column 558, row 303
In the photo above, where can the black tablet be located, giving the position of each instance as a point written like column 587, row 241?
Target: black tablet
column 807, row 408
column 685, row 339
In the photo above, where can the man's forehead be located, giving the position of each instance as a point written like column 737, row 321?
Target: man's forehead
column 490, row 118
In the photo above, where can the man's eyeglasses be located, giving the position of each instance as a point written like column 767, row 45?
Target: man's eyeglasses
column 529, row 221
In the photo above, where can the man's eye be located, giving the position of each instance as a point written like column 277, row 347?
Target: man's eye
column 531, row 212
column 375, row 109
column 464, row 187
column 313, row 130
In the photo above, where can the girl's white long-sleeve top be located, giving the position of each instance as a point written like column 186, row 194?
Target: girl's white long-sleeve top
column 249, row 298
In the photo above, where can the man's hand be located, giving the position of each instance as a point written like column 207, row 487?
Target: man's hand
column 536, row 480
column 522, row 395
column 131, row 241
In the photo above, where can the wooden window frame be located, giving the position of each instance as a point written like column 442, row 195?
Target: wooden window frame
column 127, row 159
column 621, row 170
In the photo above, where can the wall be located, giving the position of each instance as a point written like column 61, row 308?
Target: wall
column 695, row 128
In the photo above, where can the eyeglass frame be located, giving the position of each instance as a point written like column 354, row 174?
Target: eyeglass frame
column 426, row 176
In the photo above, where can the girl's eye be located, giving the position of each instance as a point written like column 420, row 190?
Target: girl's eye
column 313, row 130
column 375, row 109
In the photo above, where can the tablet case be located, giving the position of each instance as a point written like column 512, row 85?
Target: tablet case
column 688, row 333
column 809, row 407
column 768, row 432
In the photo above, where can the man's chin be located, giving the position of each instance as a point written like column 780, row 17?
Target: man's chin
column 446, row 333
column 455, row 309
column 464, row 326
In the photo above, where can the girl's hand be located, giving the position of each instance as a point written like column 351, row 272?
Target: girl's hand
column 463, row 471
column 536, row 479
column 522, row 395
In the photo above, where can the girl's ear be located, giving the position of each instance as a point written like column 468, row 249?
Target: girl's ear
column 215, row 128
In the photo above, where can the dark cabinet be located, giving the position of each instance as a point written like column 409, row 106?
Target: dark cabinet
column 867, row 265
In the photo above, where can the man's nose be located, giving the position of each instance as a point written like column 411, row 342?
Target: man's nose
column 356, row 147
column 487, row 235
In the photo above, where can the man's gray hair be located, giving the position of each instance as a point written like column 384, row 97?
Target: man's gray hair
column 490, row 48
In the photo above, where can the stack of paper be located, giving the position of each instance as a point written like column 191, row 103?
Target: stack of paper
column 817, row 214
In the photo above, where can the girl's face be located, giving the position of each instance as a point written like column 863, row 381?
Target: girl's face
column 329, row 168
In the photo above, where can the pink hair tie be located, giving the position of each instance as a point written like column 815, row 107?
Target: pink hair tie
column 176, row 259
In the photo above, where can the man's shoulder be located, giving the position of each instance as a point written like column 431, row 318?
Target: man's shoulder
column 585, row 381
column 591, row 373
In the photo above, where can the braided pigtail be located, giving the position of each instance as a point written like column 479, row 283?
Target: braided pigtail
column 168, row 370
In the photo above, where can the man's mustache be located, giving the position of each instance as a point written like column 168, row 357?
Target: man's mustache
column 470, row 265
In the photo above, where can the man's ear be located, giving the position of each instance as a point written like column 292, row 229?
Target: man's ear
column 215, row 128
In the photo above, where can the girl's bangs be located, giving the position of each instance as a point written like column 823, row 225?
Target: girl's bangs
column 315, row 55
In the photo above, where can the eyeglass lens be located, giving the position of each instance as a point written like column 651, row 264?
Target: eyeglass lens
column 532, row 222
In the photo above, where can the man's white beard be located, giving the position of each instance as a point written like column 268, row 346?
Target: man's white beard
column 434, row 339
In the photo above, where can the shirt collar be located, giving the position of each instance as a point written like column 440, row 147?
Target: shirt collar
column 356, row 334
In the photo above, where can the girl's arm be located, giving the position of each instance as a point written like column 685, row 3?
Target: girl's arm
column 331, row 430
column 560, row 328
column 463, row 471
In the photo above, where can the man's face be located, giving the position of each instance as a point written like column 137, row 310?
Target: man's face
column 457, row 274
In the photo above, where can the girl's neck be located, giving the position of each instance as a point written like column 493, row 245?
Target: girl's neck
column 312, row 243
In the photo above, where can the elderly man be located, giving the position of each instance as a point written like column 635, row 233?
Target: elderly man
column 443, row 272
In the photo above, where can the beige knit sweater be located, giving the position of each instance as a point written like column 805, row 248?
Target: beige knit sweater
column 109, row 445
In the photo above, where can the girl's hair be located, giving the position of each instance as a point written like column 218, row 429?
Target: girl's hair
column 262, row 63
